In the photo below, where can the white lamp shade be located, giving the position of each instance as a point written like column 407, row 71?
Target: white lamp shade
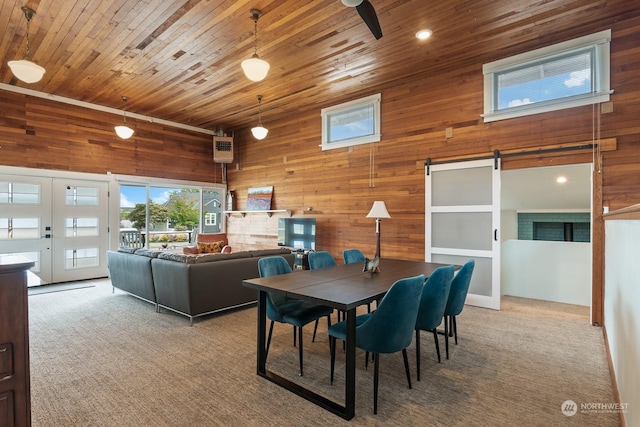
column 255, row 69
column 351, row 3
column 378, row 210
column 259, row 132
column 27, row 71
column 124, row 132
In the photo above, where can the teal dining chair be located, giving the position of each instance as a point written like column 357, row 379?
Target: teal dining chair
column 283, row 309
column 321, row 259
column 457, row 297
column 389, row 329
column 432, row 304
column 350, row 256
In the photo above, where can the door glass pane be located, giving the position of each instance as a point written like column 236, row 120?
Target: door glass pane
column 461, row 187
column 19, row 192
column 466, row 230
column 481, row 277
column 212, row 210
column 81, row 258
column 4, row 192
column 81, row 227
column 173, row 215
column 19, row 228
column 81, row 196
column 133, row 211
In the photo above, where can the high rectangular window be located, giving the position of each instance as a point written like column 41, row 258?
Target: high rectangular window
column 564, row 75
column 351, row 123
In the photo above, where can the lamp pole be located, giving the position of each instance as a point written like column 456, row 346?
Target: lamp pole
column 378, row 211
column 378, row 237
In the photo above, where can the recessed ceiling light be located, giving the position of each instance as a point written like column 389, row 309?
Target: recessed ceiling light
column 423, row 34
column 561, row 180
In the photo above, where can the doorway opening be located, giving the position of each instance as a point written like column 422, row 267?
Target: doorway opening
column 545, row 233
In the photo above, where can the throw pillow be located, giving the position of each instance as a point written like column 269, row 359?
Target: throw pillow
column 210, row 248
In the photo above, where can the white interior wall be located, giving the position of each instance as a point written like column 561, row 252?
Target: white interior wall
column 622, row 318
column 551, row 271
column 560, row 272
column 508, row 225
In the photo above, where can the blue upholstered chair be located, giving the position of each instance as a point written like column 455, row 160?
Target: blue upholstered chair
column 432, row 304
column 389, row 329
column 455, row 303
column 320, row 259
column 283, row 309
column 351, row 256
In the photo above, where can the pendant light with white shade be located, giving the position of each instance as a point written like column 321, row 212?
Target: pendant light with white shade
column 124, row 131
column 254, row 68
column 259, row 132
column 25, row 69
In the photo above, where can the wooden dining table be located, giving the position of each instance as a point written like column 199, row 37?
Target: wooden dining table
column 343, row 287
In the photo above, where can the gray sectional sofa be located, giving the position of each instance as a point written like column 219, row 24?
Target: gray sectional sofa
column 192, row 285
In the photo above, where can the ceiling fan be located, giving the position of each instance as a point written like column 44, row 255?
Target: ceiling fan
column 368, row 15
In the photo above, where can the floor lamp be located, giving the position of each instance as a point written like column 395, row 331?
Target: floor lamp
column 378, row 211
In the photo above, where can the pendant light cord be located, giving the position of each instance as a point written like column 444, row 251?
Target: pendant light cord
column 28, row 42
column 124, row 108
column 28, row 14
column 255, row 35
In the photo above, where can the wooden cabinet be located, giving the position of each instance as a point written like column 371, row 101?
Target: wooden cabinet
column 15, row 396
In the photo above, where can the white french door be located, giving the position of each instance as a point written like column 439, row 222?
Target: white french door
column 462, row 221
column 81, row 225
column 25, row 220
column 59, row 223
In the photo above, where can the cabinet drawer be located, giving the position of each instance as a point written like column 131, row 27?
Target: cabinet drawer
column 7, row 416
column 6, row 361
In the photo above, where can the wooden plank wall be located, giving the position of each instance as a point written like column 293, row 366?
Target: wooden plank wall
column 340, row 185
column 38, row 133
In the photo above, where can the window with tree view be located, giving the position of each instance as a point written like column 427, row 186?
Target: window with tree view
column 167, row 217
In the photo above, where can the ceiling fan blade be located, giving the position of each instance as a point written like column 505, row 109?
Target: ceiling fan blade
column 368, row 15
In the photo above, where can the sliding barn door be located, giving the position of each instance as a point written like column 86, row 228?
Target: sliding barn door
column 462, row 221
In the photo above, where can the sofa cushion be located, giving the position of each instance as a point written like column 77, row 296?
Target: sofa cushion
column 172, row 256
column 205, row 238
column 127, row 250
column 193, row 250
column 200, row 258
column 210, row 247
column 147, row 252
column 270, row 252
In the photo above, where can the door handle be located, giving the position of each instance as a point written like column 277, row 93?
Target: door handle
column 495, row 234
column 46, row 236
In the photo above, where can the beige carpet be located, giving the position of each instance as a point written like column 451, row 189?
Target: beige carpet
column 103, row 359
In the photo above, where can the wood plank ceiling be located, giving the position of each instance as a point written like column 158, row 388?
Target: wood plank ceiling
column 180, row 60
